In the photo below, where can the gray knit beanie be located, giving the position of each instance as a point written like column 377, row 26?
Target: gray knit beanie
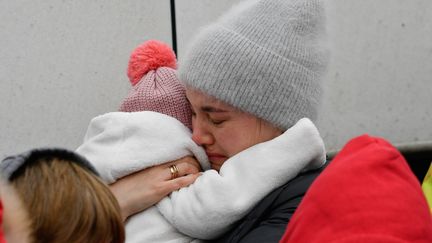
column 265, row 57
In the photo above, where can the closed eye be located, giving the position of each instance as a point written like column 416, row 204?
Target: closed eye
column 216, row 122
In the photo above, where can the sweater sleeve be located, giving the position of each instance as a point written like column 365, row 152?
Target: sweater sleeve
column 210, row 206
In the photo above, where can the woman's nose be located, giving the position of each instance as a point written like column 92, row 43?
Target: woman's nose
column 201, row 136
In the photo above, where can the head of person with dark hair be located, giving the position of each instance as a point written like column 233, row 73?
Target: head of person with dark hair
column 54, row 195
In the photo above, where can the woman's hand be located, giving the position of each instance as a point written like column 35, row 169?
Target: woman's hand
column 138, row 191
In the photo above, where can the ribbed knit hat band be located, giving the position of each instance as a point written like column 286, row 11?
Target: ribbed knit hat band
column 264, row 57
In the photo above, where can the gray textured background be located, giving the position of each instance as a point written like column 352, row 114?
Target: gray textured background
column 64, row 62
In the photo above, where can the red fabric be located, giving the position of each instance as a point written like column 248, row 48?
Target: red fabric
column 2, row 240
column 366, row 194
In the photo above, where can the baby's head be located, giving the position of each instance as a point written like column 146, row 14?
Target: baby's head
column 155, row 86
column 53, row 195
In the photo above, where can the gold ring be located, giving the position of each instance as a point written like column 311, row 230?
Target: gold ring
column 174, row 171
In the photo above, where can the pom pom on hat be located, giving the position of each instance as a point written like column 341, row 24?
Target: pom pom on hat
column 149, row 56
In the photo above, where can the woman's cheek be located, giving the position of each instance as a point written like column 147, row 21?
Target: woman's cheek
column 232, row 144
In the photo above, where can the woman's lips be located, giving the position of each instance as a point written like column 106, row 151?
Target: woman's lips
column 216, row 158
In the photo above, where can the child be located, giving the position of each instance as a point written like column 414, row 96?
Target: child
column 54, row 195
column 121, row 143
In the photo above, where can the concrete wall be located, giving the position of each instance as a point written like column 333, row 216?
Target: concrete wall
column 380, row 78
column 63, row 62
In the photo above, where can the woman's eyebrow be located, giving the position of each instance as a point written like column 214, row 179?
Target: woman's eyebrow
column 208, row 108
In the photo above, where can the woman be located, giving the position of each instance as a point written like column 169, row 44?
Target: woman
column 250, row 76
column 122, row 143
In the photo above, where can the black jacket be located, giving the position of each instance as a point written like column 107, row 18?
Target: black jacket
column 268, row 219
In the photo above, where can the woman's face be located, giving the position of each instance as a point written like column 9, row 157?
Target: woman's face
column 223, row 130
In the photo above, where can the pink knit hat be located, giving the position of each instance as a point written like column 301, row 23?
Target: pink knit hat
column 155, row 86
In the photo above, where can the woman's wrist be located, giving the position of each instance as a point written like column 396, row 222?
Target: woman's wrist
column 121, row 199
